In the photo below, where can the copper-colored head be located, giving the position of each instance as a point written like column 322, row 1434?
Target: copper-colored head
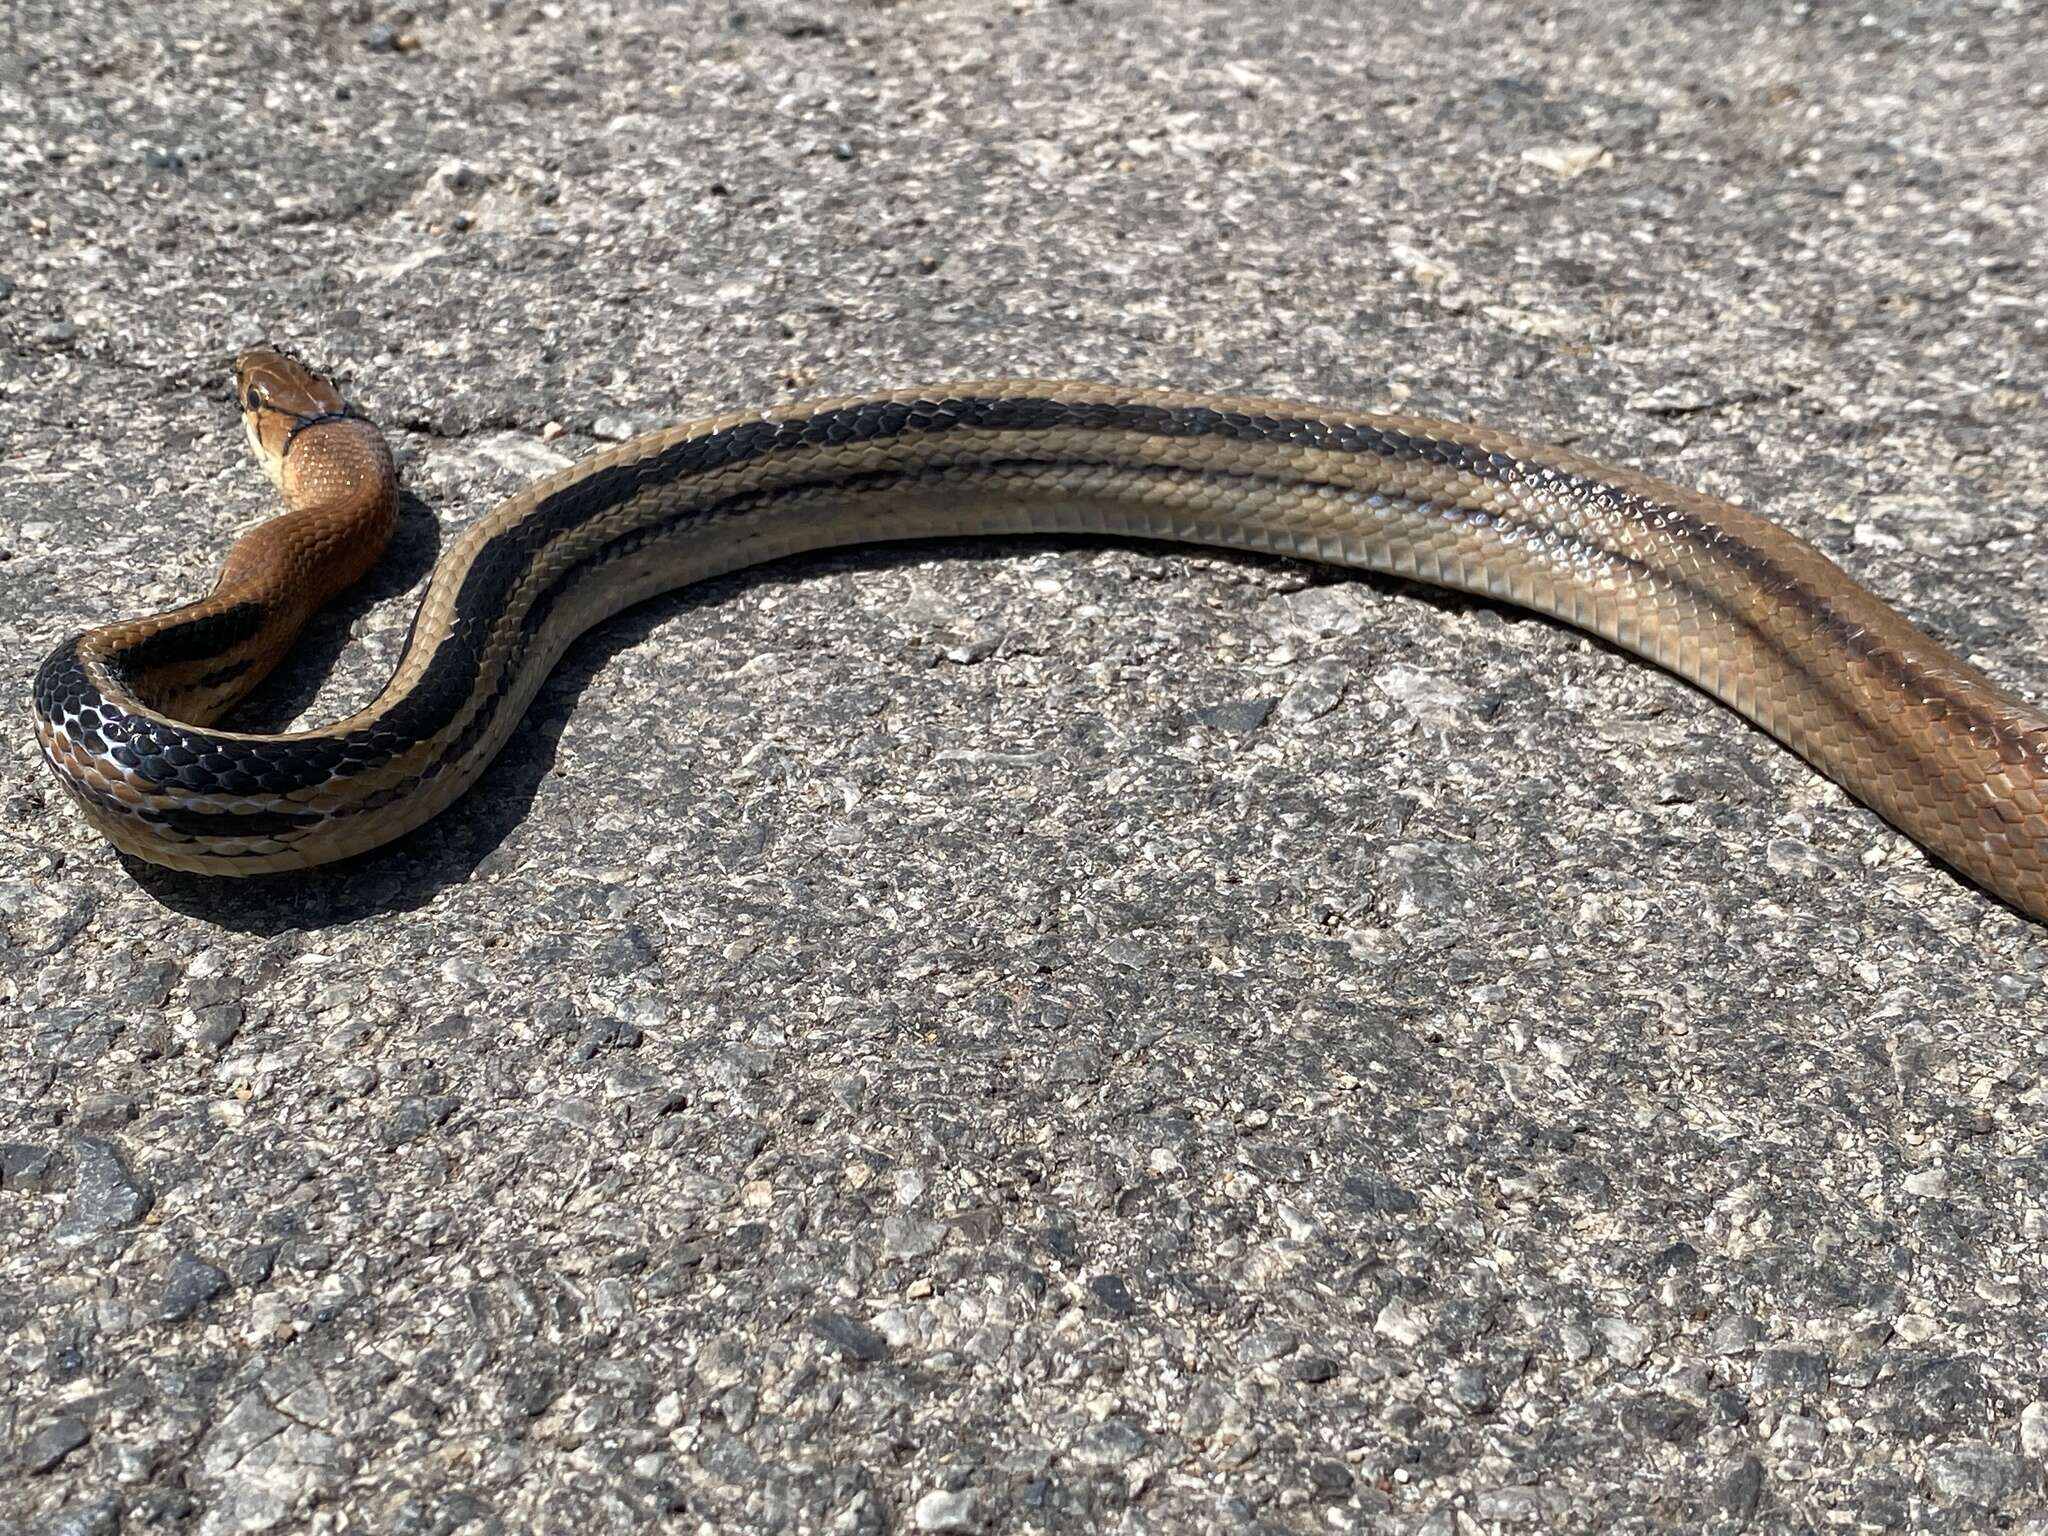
column 280, row 395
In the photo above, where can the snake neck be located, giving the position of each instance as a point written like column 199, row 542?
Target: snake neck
column 197, row 662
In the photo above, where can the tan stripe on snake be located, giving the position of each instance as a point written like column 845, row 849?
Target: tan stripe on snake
column 1718, row 595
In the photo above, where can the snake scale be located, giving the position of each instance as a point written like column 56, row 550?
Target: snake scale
column 1718, row 595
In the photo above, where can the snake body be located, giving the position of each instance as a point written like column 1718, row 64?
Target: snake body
column 1718, row 595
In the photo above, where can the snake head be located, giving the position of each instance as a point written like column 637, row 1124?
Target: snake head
column 280, row 397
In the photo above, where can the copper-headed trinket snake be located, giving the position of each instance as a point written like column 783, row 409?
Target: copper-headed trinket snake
column 1750, row 613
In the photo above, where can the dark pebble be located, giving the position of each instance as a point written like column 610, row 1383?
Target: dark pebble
column 1331, row 1479
column 102, row 1517
column 1972, row 1472
column 1939, row 1397
column 1727, row 1407
column 1790, row 1370
column 253, row 1265
column 1113, row 1295
column 1675, row 1259
column 108, row 1112
column 209, row 990
column 150, row 986
column 104, row 1197
column 52, row 1443
column 851, row 1336
column 31, row 1169
column 218, row 1025
column 1371, row 1194
column 627, row 951
column 414, row 1119
column 608, row 1035
column 307, row 1256
column 191, row 1283
column 1238, row 719
column 1273, row 1344
column 1470, row 1389
column 1740, row 1487
column 1657, row 1417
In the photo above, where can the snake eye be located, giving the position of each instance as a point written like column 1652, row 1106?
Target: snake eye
column 256, row 400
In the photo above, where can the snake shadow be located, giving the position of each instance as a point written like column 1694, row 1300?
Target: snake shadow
column 404, row 875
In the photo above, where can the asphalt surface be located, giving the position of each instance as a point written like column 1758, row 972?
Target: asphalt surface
column 1050, row 1036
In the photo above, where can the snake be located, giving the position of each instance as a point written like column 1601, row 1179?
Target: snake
column 1755, row 616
